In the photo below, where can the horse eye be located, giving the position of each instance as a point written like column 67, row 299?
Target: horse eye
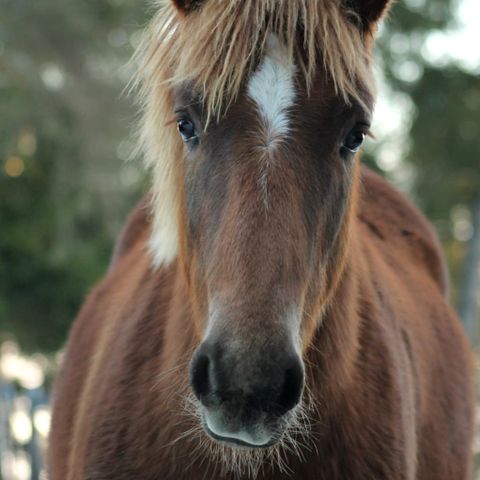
column 354, row 140
column 186, row 129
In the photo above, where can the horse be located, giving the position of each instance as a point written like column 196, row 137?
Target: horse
column 273, row 309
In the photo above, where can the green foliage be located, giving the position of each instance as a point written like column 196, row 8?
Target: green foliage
column 64, row 191
column 446, row 138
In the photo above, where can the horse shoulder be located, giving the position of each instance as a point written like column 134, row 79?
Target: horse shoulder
column 410, row 330
column 397, row 223
column 103, row 309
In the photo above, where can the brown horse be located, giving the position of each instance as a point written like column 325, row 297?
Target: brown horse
column 284, row 313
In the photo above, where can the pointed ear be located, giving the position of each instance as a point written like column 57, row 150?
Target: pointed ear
column 186, row 6
column 369, row 11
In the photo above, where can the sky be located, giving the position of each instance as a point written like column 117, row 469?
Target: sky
column 461, row 43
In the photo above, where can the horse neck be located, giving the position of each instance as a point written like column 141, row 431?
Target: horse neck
column 331, row 356
column 180, row 333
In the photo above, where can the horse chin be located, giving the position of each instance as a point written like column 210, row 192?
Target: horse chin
column 270, row 438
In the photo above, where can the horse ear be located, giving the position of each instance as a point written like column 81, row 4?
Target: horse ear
column 186, row 6
column 369, row 11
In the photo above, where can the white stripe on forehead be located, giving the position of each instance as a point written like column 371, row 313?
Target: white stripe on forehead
column 272, row 88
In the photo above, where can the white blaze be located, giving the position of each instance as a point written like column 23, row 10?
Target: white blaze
column 272, row 88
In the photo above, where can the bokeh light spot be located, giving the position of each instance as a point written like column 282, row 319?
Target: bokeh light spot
column 14, row 166
column 27, row 143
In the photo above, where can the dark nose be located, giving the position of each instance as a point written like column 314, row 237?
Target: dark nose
column 269, row 381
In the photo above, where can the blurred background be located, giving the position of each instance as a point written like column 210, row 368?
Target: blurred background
column 66, row 133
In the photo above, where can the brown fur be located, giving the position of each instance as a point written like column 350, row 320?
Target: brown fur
column 389, row 391
column 399, row 396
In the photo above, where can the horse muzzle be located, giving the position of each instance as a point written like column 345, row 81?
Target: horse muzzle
column 246, row 394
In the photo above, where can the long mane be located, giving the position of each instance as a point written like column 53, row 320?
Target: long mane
column 215, row 47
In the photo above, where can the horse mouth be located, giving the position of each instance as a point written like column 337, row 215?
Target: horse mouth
column 235, row 442
column 251, row 435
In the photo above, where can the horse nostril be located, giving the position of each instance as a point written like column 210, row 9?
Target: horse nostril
column 199, row 375
column 218, row 380
column 292, row 387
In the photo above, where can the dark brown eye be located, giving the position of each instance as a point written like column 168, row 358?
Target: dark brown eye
column 354, row 140
column 186, row 129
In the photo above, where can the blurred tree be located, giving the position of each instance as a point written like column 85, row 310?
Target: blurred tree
column 64, row 129
column 442, row 151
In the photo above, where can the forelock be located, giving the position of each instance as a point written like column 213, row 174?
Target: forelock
column 217, row 45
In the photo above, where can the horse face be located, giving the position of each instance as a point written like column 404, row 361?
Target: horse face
column 267, row 190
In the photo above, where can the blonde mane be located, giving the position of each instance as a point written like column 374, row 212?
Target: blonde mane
column 215, row 47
